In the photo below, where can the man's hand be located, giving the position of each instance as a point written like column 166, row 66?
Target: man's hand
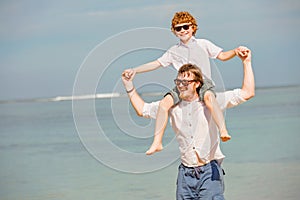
column 244, row 53
column 241, row 51
column 127, row 82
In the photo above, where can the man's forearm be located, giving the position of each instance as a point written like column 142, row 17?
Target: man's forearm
column 136, row 101
column 248, row 87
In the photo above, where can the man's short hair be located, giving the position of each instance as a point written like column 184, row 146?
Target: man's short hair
column 189, row 69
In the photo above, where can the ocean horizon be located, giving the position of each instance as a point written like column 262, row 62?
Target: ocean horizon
column 107, row 95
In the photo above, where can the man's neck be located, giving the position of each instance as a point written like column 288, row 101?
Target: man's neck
column 191, row 98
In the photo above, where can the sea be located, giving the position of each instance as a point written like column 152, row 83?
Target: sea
column 94, row 149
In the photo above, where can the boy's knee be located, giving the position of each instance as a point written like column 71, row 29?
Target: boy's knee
column 209, row 96
column 166, row 103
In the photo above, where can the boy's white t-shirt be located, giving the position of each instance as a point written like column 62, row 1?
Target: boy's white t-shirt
column 196, row 51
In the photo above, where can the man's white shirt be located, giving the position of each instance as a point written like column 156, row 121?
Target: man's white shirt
column 195, row 130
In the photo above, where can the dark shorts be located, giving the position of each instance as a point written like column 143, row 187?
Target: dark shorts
column 207, row 86
column 205, row 182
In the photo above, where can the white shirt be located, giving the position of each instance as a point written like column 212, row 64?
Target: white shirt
column 196, row 51
column 196, row 132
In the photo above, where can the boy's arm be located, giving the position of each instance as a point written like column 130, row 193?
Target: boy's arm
column 227, row 55
column 130, row 73
column 148, row 67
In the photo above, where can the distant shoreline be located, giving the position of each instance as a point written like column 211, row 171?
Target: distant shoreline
column 110, row 95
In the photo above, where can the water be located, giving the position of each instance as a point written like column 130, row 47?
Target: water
column 42, row 156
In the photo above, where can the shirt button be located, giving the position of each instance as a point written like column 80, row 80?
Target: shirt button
column 192, row 137
column 193, row 147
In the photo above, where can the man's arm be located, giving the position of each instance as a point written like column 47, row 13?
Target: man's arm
column 233, row 98
column 130, row 73
column 135, row 99
column 248, row 87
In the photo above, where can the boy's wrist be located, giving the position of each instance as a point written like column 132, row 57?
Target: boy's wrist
column 134, row 70
column 236, row 52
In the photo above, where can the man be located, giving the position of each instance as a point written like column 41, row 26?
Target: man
column 200, row 175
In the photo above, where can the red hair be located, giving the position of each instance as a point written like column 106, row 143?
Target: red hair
column 184, row 17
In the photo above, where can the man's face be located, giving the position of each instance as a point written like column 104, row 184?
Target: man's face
column 184, row 31
column 186, row 86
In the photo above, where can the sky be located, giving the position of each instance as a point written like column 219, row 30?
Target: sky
column 45, row 44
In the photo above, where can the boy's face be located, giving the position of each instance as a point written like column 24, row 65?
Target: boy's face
column 184, row 31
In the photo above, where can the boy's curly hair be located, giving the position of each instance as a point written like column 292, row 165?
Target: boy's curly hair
column 184, row 17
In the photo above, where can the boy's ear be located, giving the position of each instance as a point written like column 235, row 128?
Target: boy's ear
column 194, row 29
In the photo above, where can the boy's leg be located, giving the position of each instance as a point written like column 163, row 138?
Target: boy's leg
column 171, row 98
column 208, row 96
column 160, row 124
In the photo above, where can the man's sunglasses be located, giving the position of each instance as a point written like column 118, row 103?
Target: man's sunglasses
column 183, row 82
column 185, row 27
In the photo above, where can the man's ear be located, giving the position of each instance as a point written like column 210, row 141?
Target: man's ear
column 198, row 84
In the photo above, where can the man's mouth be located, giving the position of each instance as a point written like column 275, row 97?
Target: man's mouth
column 182, row 89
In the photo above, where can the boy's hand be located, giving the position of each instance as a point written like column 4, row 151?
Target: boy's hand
column 128, row 74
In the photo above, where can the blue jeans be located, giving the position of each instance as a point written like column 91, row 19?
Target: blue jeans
column 205, row 182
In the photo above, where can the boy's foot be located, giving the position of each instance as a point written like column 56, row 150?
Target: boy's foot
column 154, row 148
column 224, row 136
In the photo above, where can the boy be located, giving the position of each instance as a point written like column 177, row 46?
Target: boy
column 188, row 50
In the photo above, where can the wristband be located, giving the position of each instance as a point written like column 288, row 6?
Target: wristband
column 128, row 91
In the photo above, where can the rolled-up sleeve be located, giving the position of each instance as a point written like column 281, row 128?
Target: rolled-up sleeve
column 165, row 59
column 150, row 109
column 230, row 98
column 236, row 99
column 212, row 49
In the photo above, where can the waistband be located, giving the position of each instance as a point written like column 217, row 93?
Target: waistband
column 202, row 166
column 196, row 171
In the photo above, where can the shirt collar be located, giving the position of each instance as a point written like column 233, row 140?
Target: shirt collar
column 191, row 41
column 190, row 102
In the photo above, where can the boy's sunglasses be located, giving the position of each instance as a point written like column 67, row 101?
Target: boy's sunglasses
column 185, row 27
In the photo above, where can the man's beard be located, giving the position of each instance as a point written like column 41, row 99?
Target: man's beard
column 182, row 95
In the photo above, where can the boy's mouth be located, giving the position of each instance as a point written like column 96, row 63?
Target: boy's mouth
column 184, row 33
